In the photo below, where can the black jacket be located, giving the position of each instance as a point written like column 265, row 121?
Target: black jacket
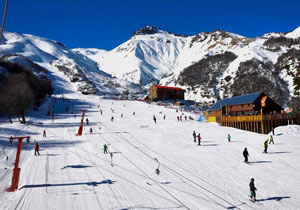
column 252, row 187
column 245, row 153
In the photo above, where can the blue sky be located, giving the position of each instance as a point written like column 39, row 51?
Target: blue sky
column 105, row 24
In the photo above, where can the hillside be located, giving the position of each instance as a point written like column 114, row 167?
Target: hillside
column 209, row 65
column 72, row 172
column 57, row 59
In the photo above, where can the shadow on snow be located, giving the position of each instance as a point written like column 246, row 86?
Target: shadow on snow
column 94, row 184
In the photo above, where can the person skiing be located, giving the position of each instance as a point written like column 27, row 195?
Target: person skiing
column 271, row 140
column 273, row 131
column 252, row 190
column 91, row 130
column 246, row 154
column 111, row 159
column 199, row 139
column 105, row 148
column 87, row 121
column 101, row 111
column 44, row 133
column 229, row 138
column 164, row 116
column 194, row 135
column 122, row 115
column 178, row 118
column 112, row 119
column 185, row 117
column 11, row 142
column 154, row 118
column 266, row 146
column 36, row 149
column 133, row 113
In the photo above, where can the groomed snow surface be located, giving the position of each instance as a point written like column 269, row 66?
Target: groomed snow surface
column 81, row 176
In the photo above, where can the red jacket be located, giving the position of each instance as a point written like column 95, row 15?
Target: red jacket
column 199, row 137
column 36, row 146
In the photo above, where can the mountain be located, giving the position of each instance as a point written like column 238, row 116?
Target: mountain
column 57, row 60
column 149, row 55
column 209, row 65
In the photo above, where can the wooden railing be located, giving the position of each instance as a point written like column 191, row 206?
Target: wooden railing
column 241, row 118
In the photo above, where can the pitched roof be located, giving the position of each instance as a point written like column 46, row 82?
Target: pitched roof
column 244, row 99
column 166, row 87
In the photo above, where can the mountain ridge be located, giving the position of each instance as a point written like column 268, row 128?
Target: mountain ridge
column 153, row 56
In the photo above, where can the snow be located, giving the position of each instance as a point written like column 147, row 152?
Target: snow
column 294, row 34
column 210, row 176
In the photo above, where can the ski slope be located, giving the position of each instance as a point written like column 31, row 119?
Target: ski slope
column 81, row 176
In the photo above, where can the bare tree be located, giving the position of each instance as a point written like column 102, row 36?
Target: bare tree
column 16, row 96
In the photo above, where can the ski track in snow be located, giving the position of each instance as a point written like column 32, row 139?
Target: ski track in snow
column 211, row 176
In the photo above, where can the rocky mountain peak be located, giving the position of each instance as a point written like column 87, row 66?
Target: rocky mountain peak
column 147, row 30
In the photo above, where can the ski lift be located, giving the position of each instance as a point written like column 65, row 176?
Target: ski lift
column 157, row 170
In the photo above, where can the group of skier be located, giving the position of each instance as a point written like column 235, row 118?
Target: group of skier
column 198, row 137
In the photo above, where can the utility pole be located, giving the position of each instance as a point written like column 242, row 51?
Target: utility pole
column 3, row 21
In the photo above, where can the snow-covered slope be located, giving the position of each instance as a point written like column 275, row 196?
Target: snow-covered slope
column 72, row 171
column 145, row 58
column 152, row 56
column 209, row 65
column 294, row 34
column 57, row 58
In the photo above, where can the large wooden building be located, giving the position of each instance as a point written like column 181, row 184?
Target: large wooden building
column 249, row 104
column 254, row 112
column 157, row 92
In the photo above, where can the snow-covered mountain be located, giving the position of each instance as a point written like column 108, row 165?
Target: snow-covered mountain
column 209, row 65
column 52, row 56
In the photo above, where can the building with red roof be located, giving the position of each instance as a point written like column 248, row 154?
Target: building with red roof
column 158, row 92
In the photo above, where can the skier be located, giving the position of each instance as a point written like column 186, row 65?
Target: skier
column 229, row 138
column 36, row 149
column 185, row 117
column 178, row 118
column 194, row 135
column 91, row 130
column 266, row 146
column 111, row 159
column 44, row 133
column 101, row 111
column 122, row 115
column 133, row 113
column 11, row 142
column 154, row 118
column 273, row 132
column 112, row 119
column 199, row 139
column 252, row 190
column 271, row 140
column 87, row 121
column 246, row 154
column 164, row 116
column 105, row 148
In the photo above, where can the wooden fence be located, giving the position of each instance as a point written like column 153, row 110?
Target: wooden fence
column 259, row 123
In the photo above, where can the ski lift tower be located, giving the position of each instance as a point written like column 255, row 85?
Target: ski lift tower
column 79, row 133
column 16, row 170
column 3, row 20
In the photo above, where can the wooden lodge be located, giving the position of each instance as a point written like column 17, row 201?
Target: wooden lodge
column 157, row 92
column 253, row 112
